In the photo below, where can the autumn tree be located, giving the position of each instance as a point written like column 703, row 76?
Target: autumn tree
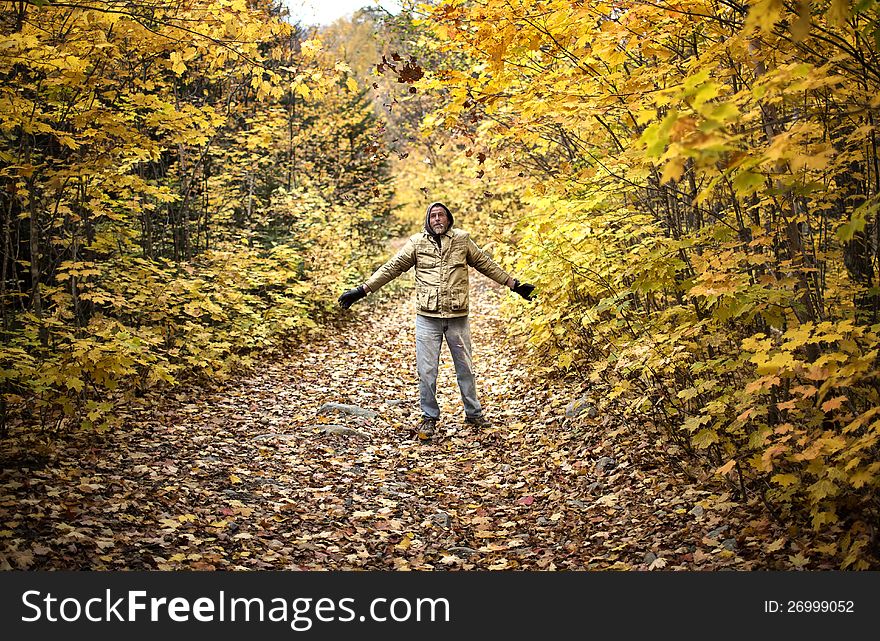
column 700, row 194
column 147, row 158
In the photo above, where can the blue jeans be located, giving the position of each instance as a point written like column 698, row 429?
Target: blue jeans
column 429, row 338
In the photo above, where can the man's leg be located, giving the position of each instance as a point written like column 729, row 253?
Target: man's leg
column 429, row 338
column 458, row 337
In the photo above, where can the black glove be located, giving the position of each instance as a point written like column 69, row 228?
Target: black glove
column 523, row 289
column 352, row 296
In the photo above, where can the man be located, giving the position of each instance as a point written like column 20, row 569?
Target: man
column 441, row 256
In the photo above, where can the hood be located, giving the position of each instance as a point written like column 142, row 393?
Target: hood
column 427, row 214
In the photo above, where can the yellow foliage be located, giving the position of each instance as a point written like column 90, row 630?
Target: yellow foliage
column 189, row 201
column 691, row 213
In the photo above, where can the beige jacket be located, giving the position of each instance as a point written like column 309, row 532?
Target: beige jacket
column 441, row 272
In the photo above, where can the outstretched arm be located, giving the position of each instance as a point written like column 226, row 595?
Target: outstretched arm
column 402, row 261
column 483, row 263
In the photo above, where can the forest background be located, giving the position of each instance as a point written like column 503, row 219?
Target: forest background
column 693, row 186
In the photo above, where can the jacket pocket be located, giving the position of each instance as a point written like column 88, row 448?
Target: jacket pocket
column 426, row 260
column 458, row 256
column 427, row 299
column 458, row 299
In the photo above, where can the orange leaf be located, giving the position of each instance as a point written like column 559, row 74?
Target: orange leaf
column 833, row 404
column 724, row 469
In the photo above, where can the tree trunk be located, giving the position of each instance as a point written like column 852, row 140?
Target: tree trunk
column 36, row 296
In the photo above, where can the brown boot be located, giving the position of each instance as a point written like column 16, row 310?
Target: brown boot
column 427, row 427
column 478, row 421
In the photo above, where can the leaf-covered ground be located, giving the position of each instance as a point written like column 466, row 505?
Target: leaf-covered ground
column 254, row 475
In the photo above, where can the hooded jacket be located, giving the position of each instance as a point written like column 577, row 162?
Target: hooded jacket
column 441, row 269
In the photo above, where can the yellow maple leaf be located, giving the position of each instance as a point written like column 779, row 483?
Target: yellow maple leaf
column 704, row 438
column 777, row 545
column 823, row 488
column 780, row 361
column 302, row 90
column 673, row 170
column 784, row 479
column 177, row 64
column 764, row 14
column 822, row 518
column 861, row 477
column 405, row 542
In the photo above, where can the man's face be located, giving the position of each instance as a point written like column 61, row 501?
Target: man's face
column 438, row 220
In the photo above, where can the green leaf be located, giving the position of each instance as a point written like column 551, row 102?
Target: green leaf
column 847, row 231
column 705, row 438
column 746, row 183
column 656, row 136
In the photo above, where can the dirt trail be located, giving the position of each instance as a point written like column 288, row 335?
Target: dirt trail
column 255, row 476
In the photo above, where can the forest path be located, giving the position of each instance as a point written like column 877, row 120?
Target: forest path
column 255, row 475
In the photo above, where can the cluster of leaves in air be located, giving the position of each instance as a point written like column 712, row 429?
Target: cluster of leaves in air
column 407, row 71
column 183, row 184
column 394, row 55
column 699, row 196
